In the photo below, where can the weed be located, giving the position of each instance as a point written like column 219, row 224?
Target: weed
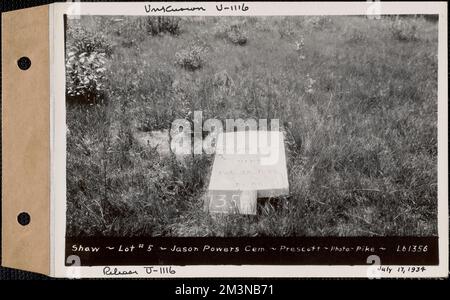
column 191, row 58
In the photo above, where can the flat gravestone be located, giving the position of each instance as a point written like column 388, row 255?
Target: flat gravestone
column 247, row 165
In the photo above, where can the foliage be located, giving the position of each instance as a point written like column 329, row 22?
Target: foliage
column 85, row 74
column 404, row 31
column 81, row 40
column 191, row 58
column 86, row 59
column 163, row 24
column 232, row 32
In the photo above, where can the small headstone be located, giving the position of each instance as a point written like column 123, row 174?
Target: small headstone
column 247, row 163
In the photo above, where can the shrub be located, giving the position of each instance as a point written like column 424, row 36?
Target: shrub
column 237, row 36
column 80, row 40
column 191, row 58
column 233, row 33
column 85, row 75
column 86, row 57
column 159, row 25
column 404, row 31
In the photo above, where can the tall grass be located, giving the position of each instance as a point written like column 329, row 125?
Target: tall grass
column 357, row 101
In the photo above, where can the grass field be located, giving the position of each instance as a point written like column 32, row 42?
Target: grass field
column 357, row 99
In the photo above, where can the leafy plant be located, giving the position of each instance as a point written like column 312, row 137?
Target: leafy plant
column 163, row 24
column 85, row 74
column 233, row 33
column 191, row 58
column 86, row 58
column 404, row 31
column 80, row 40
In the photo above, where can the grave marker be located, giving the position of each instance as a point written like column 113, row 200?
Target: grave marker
column 247, row 165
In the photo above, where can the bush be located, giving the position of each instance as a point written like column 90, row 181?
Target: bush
column 86, row 57
column 237, row 36
column 233, row 33
column 403, row 31
column 85, row 75
column 80, row 40
column 191, row 58
column 159, row 25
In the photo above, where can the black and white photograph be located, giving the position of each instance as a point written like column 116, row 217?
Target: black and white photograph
column 226, row 146
column 225, row 140
column 352, row 101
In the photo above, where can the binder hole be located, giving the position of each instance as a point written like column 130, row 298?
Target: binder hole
column 23, row 218
column 24, row 63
